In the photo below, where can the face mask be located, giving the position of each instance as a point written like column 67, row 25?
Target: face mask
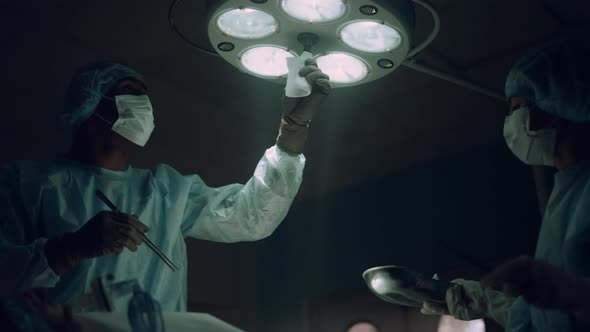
column 136, row 118
column 531, row 147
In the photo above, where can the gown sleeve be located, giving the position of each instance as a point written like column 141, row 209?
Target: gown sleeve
column 22, row 251
column 247, row 212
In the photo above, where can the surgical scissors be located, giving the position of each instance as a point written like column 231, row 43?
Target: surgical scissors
column 145, row 239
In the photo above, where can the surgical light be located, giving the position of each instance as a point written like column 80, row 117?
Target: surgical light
column 247, row 23
column 370, row 36
column 268, row 61
column 353, row 42
column 378, row 33
column 314, row 11
column 343, row 68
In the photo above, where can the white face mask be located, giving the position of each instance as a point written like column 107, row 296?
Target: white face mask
column 136, row 118
column 531, row 147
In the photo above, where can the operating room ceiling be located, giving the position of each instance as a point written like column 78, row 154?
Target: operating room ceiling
column 216, row 121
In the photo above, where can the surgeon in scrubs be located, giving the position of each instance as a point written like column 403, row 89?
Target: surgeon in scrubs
column 548, row 124
column 55, row 233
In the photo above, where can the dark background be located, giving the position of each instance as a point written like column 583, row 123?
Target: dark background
column 407, row 170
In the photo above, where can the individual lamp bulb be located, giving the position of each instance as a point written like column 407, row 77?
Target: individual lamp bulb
column 247, row 23
column 370, row 36
column 314, row 11
column 270, row 61
column 342, row 68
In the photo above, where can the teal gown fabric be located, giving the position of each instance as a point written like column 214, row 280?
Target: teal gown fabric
column 43, row 199
column 564, row 241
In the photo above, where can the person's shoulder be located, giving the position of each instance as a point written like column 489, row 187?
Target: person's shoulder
column 167, row 173
column 165, row 169
column 26, row 170
column 27, row 166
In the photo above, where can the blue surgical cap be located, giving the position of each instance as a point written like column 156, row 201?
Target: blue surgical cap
column 556, row 78
column 89, row 85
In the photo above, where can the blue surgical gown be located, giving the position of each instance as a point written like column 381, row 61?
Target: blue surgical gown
column 40, row 200
column 564, row 241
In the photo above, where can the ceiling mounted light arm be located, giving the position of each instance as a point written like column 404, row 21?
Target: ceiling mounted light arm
column 452, row 79
column 435, row 29
column 411, row 63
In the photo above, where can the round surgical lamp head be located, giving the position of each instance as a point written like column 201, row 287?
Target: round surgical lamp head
column 356, row 41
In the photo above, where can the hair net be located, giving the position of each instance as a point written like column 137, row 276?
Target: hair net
column 87, row 88
column 556, row 78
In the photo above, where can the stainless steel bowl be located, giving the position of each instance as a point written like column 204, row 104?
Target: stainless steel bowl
column 403, row 286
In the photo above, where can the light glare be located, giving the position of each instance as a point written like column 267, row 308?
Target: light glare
column 370, row 36
column 268, row 61
column 379, row 285
column 247, row 23
column 362, row 327
column 342, row 68
column 314, row 10
column 449, row 324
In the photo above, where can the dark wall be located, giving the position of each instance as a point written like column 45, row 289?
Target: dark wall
column 482, row 204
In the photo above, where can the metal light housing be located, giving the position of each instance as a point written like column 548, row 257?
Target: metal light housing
column 359, row 41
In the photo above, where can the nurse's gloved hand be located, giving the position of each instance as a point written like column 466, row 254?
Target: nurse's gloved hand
column 463, row 301
column 469, row 300
column 299, row 112
column 302, row 110
column 107, row 232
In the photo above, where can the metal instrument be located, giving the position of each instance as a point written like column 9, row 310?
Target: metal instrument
column 403, row 286
column 145, row 239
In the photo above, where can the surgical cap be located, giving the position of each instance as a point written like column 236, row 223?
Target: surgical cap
column 556, row 78
column 87, row 88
